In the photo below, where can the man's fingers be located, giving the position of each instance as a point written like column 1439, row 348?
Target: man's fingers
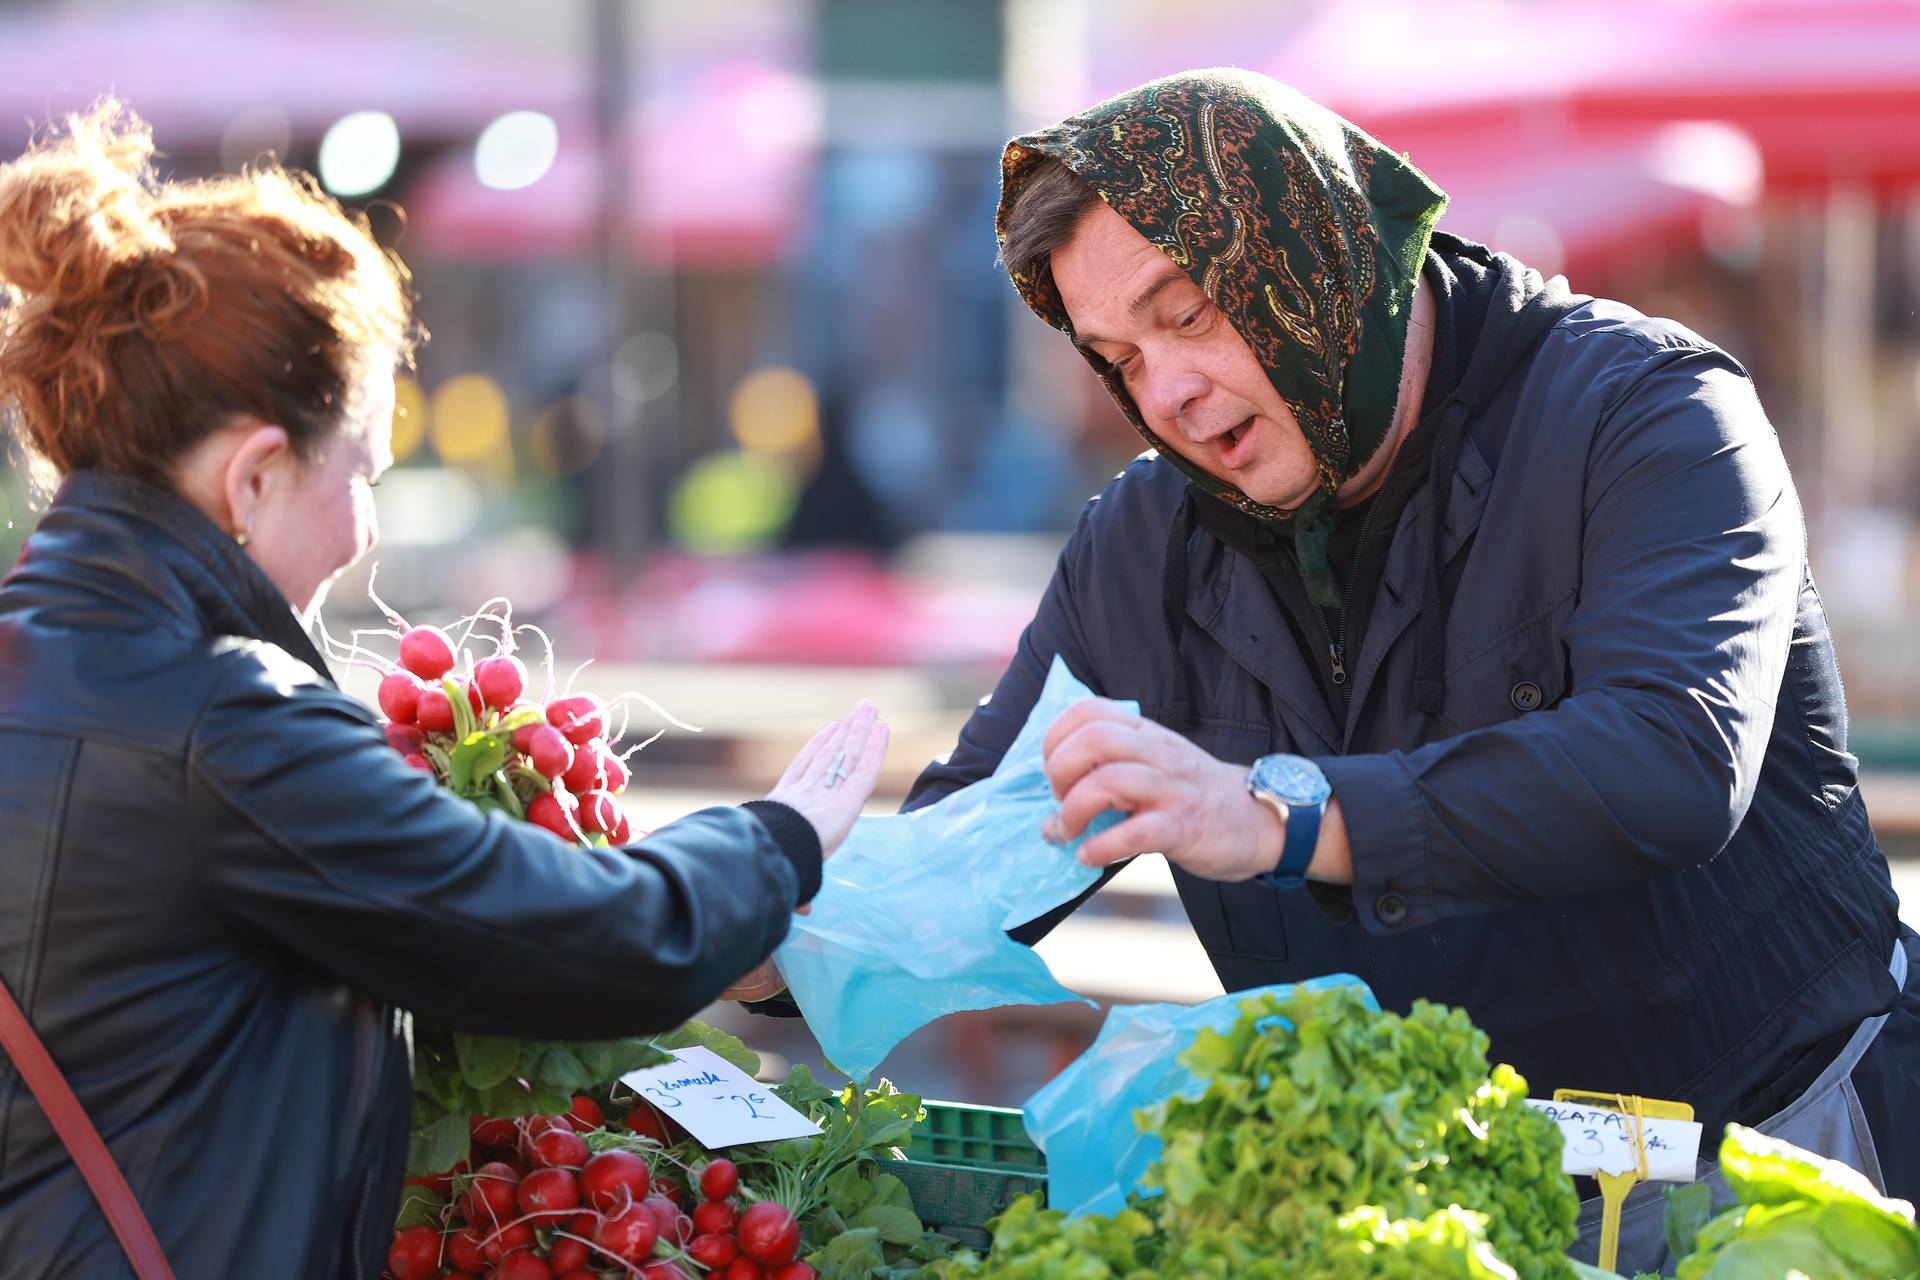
column 1083, row 712
column 1100, row 741
column 1150, row 832
column 1126, row 787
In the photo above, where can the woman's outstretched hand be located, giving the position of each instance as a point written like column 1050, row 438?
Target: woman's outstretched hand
column 828, row 783
column 831, row 779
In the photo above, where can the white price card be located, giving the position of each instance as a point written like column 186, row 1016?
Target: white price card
column 717, row 1102
column 1598, row 1141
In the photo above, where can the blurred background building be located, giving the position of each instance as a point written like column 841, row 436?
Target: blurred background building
column 726, row 391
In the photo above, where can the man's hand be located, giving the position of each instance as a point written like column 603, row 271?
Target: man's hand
column 763, row 982
column 1181, row 801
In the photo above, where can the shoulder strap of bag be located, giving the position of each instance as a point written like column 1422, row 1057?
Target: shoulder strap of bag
column 82, row 1141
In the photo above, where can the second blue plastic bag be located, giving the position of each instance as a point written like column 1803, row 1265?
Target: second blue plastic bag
column 1084, row 1118
column 912, row 916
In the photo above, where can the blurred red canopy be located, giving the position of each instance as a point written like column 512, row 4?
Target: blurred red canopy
column 192, row 70
column 1828, row 90
column 719, row 173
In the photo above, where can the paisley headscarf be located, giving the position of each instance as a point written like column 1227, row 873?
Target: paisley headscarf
column 1303, row 230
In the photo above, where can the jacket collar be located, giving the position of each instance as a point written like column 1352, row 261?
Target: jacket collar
column 160, row 545
column 1232, row 601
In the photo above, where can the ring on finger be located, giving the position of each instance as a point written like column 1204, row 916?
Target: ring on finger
column 837, row 771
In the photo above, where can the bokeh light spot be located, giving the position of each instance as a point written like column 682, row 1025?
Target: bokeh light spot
column 731, row 503
column 775, row 411
column 516, row 150
column 567, row 436
column 359, row 153
column 468, row 421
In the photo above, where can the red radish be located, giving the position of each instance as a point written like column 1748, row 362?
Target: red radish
column 628, row 1234
column 523, row 1264
column 414, row 1253
column 715, row 1217
column 464, row 1251
column 490, row 1196
column 663, row 1270
column 600, row 812
column 426, row 652
column 500, row 681
column 421, row 763
column 743, row 1269
column 585, row 1114
column 614, row 1179
column 499, row 1244
column 580, row 717
column 491, row 1133
column 672, row 1224
column 399, row 696
column 580, row 1273
column 617, row 774
column 794, row 1271
column 713, row 1251
column 768, row 1234
column 570, row 1255
column 719, row 1179
column 588, row 769
column 435, row 713
column 407, row 739
column 545, row 747
column 473, row 700
column 622, row 832
column 558, row 1149
column 555, row 810
column 645, row 1122
column 544, row 1190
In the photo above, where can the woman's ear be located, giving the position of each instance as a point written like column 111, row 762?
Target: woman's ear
column 258, row 467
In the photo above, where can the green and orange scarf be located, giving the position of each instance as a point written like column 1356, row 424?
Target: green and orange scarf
column 1303, row 230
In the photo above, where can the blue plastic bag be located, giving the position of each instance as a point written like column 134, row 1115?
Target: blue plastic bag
column 912, row 916
column 1084, row 1118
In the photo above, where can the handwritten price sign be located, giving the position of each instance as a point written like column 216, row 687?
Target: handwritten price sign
column 715, row 1101
column 1601, row 1141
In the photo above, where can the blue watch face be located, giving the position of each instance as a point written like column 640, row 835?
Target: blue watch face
column 1295, row 780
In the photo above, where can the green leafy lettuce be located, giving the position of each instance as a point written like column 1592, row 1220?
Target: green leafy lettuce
column 1799, row 1214
column 1329, row 1140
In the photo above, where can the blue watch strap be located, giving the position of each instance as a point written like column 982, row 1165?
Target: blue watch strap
column 1303, row 832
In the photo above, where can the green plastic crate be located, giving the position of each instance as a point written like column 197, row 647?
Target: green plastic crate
column 966, row 1164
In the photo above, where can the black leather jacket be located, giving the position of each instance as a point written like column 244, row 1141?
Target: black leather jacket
column 219, row 887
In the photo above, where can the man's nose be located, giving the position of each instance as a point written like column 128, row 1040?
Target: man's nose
column 1168, row 391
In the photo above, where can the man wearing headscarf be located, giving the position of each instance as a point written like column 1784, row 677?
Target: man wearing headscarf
column 1471, row 624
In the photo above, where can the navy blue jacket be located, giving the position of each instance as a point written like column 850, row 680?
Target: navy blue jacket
column 1594, row 765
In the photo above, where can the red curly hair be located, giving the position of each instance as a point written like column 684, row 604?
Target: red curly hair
column 137, row 316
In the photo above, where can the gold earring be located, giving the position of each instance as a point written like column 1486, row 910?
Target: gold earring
column 242, row 538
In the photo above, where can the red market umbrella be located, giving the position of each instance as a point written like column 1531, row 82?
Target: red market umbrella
column 191, row 71
column 720, row 175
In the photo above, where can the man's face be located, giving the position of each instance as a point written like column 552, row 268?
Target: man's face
column 1193, row 377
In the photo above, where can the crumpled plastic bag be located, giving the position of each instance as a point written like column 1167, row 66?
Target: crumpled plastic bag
column 1083, row 1119
column 911, row 920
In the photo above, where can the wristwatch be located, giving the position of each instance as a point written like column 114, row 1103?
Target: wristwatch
column 1296, row 789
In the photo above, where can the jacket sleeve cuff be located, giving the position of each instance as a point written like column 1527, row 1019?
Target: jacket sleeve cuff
column 1387, row 838
column 780, row 1006
column 797, row 840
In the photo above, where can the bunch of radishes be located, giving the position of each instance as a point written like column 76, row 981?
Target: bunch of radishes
column 548, row 1209
column 548, row 761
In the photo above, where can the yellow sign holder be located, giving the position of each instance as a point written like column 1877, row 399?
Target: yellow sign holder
column 1614, row 1186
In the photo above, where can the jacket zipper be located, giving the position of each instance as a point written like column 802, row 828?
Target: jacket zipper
column 1337, row 652
column 359, row 1223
